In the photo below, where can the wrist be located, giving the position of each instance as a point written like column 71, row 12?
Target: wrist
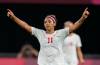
column 83, row 17
column 81, row 61
column 12, row 16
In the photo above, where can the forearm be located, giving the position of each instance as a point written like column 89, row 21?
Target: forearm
column 78, row 23
column 80, row 55
column 21, row 23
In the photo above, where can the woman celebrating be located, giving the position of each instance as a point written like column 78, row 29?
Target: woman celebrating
column 50, row 40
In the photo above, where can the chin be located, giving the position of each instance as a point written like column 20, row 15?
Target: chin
column 47, row 28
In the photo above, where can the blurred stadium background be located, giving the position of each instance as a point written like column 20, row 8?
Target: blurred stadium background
column 12, row 37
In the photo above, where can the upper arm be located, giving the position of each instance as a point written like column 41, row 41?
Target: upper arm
column 76, row 25
column 28, row 28
column 71, row 28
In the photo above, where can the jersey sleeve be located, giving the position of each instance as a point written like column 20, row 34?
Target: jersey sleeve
column 67, row 30
column 36, row 32
column 63, row 32
column 78, row 41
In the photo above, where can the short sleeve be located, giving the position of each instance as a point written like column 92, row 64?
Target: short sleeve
column 67, row 30
column 36, row 32
column 63, row 32
column 78, row 41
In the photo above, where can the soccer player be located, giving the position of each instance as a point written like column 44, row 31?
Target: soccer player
column 51, row 40
column 72, row 47
column 27, row 51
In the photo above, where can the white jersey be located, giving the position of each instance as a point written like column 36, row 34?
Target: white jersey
column 71, row 42
column 50, row 46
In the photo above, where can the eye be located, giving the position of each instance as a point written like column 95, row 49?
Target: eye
column 49, row 21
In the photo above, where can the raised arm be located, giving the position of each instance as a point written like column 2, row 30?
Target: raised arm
column 80, row 21
column 21, row 23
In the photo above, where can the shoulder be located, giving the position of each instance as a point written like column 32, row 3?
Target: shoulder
column 76, row 35
column 63, row 30
column 34, row 28
column 36, row 31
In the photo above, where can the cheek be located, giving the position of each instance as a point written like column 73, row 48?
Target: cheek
column 44, row 25
column 54, row 24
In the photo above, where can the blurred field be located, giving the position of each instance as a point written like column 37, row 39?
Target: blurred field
column 10, row 59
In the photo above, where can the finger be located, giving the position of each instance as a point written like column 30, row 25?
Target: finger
column 86, row 8
column 8, row 14
column 8, row 10
column 87, row 13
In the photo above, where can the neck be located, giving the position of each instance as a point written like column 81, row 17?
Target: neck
column 50, row 31
column 70, row 34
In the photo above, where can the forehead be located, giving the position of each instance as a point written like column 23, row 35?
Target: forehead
column 48, row 20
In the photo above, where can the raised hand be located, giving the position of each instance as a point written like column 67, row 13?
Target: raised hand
column 85, row 13
column 9, row 13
